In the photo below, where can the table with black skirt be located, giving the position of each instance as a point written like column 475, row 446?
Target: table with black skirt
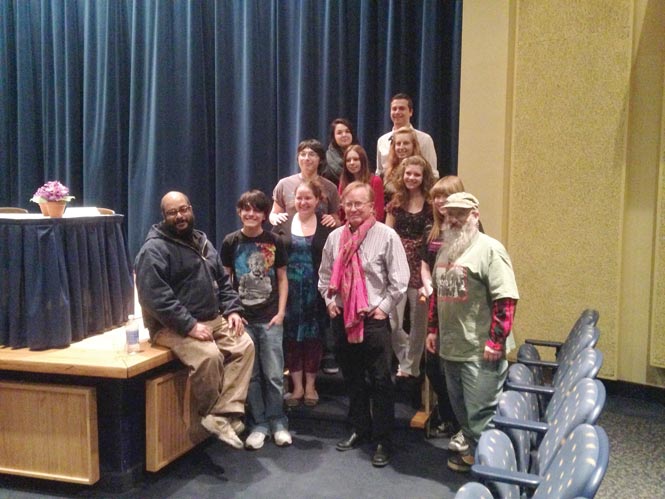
column 62, row 279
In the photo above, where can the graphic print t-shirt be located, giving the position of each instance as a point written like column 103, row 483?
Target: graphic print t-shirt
column 466, row 290
column 254, row 261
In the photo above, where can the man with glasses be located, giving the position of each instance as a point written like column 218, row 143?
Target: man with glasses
column 190, row 307
column 363, row 274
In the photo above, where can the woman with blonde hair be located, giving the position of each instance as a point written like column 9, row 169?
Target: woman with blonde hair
column 410, row 214
column 403, row 143
column 439, row 193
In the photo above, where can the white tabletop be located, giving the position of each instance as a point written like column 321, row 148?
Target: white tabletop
column 70, row 212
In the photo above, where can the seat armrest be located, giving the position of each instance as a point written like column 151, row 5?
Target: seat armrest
column 500, row 475
column 540, row 390
column 544, row 343
column 520, row 424
column 540, row 363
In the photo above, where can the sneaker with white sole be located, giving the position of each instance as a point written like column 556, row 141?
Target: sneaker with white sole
column 220, row 426
column 458, row 443
column 460, row 462
column 282, row 438
column 441, row 430
column 329, row 366
column 255, row 440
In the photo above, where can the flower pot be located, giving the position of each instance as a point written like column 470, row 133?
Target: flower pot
column 56, row 208
column 43, row 208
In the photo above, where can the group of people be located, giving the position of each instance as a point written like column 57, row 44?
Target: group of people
column 347, row 252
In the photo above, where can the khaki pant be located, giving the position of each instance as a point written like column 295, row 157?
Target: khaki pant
column 219, row 370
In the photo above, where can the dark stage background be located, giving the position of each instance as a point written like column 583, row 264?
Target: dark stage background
column 123, row 100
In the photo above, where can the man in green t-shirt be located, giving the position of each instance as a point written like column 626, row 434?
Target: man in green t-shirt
column 472, row 310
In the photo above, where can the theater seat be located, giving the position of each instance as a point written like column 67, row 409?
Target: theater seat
column 583, row 404
column 576, row 470
column 582, row 335
column 586, row 365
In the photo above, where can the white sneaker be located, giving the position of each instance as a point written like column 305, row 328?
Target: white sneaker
column 282, row 438
column 221, row 428
column 458, row 443
column 255, row 440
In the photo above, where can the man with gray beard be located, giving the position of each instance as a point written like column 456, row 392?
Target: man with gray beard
column 472, row 309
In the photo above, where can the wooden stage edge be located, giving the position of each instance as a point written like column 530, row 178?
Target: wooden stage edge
column 89, row 427
column 102, row 355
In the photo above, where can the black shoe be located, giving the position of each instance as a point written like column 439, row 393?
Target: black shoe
column 432, row 422
column 350, row 443
column 329, row 366
column 381, row 456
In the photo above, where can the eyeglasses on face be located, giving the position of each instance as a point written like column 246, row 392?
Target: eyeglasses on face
column 183, row 210
column 307, row 154
column 354, row 205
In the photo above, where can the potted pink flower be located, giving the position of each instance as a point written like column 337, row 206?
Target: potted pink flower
column 52, row 198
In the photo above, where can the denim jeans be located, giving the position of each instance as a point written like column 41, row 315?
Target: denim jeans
column 265, row 395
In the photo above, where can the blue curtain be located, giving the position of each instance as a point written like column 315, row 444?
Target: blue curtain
column 123, row 100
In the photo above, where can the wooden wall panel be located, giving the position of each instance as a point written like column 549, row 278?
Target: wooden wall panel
column 49, row 431
column 172, row 425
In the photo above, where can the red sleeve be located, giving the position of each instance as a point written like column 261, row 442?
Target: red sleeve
column 503, row 314
column 377, row 185
column 433, row 315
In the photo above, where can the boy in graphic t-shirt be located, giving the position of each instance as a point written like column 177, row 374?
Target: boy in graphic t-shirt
column 256, row 261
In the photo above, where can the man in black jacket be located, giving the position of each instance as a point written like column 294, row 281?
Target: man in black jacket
column 190, row 307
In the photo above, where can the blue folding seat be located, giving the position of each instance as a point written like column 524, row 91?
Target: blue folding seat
column 576, row 470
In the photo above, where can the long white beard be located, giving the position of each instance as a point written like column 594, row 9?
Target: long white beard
column 456, row 241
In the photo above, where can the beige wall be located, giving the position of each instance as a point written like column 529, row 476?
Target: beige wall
column 561, row 111
column 485, row 101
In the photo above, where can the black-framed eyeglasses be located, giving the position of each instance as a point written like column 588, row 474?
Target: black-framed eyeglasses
column 183, row 210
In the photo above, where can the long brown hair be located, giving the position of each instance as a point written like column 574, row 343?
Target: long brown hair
column 401, row 197
column 446, row 186
column 364, row 175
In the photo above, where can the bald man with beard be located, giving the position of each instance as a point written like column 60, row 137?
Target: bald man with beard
column 471, row 310
column 190, row 307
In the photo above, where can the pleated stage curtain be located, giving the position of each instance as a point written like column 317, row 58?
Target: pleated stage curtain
column 123, row 100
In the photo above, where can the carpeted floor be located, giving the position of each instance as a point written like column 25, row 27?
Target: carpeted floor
column 312, row 468
column 636, row 429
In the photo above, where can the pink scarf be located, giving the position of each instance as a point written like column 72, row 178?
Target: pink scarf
column 348, row 278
